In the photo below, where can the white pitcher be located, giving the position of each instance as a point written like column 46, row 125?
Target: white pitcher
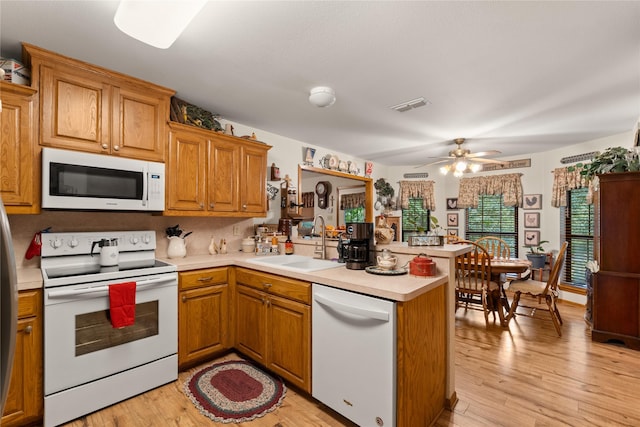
column 177, row 247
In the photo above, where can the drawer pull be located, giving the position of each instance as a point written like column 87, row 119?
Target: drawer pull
column 267, row 285
column 205, row 279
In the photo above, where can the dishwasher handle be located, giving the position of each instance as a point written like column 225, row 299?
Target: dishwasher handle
column 359, row 311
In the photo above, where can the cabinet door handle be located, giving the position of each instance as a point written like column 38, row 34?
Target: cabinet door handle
column 184, row 298
column 105, row 146
column 116, row 147
column 211, row 205
column 28, row 329
column 268, row 303
column 205, row 279
column 244, row 207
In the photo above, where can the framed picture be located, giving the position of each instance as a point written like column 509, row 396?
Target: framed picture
column 452, row 231
column 531, row 238
column 452, row 220
column 452, row 204
column 532, row 201
column 532, row 220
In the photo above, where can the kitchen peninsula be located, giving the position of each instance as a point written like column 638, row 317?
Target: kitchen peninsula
column 425, row 316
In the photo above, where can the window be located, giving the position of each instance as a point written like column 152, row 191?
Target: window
column 492, row 218
column 414, row 219
column 354, row 214
column 577, row 229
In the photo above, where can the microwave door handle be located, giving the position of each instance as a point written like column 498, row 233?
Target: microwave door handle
column 62, row 293
column 145, row 187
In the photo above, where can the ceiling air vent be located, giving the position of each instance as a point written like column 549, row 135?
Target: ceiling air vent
column 579, row 157
column 409, row 105
column 416, row 175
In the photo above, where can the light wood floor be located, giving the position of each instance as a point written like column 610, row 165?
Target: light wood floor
column 521, row 376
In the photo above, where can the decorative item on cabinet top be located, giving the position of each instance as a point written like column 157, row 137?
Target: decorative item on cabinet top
column 185, row 113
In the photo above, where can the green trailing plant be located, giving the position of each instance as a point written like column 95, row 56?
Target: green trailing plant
column 383, row 188
column 538, row 249
column 612, row 160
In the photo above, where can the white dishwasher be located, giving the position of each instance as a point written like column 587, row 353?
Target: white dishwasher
column 354, row 355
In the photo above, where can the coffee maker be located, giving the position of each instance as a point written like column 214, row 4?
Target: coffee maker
column 358, row 248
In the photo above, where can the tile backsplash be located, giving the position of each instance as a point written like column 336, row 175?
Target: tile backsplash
column 23, row 228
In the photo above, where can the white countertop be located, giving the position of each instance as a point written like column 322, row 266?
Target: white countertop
column 398, row 288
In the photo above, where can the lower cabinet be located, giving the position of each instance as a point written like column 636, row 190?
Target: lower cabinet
column 25, row 400
column 273, row 324
column 203, row 315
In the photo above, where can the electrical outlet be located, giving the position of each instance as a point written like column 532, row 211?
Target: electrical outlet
column 236, row 230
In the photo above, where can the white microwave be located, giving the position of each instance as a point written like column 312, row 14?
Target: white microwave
column 78, row 180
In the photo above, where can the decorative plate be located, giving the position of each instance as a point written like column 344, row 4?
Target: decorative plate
column 374, row 269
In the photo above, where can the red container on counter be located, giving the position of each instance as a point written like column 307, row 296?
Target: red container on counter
column 422, row 266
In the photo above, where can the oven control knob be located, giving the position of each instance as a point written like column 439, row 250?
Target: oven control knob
column 73, row 242
column 146, row 238
column 56, row 243
column 134, row 240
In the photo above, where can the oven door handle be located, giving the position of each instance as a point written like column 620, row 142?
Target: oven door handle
column 72, row 292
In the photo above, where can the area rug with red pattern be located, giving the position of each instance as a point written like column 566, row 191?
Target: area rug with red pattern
column 234, row 391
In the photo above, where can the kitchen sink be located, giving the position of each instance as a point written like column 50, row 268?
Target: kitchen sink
column 299, row 263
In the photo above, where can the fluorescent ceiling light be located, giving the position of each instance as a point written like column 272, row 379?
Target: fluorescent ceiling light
column 156, row 22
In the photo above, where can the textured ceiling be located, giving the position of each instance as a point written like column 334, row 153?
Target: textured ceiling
column 519, row 77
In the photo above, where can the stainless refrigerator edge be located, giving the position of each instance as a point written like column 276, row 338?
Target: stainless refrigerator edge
column 8, row 305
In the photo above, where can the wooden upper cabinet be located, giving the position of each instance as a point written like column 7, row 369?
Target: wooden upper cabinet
column 186, row 171
column 19, row 166
column 87, row 108
column 253, row 190
column 224, row 164
column 210, row 174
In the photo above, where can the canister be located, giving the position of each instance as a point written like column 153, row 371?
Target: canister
column 422, row 266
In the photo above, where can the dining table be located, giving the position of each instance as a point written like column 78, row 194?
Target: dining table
column 500, row 267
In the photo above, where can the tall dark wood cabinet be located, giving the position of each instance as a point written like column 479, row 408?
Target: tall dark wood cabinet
column 616, row 287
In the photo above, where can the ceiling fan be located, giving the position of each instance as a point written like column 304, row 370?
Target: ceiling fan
column 462, row 160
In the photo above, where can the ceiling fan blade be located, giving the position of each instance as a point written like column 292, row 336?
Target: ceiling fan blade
column 483, row 153
column 502, row 162
column 432, row 163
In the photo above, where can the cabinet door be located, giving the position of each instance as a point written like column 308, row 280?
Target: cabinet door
column 186, row 171
column 75, row 109
column 19, row 174
column 289, row 341
column 251, row 326
column 224, row 173
column 138, row 123
column 25, row 400
column 253, row 192
column 203, row 323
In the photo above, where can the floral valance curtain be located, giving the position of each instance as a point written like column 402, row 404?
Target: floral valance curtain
column 509, row 186
column 350, row 201
column 418, row 189
column 563, row 181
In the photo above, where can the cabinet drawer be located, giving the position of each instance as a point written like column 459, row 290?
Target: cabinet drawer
column 199, row 278
column 296, row 290
column 28, row 303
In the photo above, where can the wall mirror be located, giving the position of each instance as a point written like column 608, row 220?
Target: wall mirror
column 313, row 182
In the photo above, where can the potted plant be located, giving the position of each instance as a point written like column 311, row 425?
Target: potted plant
column 537, row 254
column 612, row 160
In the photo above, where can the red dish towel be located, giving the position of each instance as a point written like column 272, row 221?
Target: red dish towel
column 122, row 304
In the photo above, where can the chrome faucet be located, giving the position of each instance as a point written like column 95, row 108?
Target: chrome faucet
column 323, row 250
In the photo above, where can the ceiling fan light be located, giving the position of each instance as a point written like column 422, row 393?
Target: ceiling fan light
column 444, row 170
column 475, row 167
column 457, row 174
column 157, row 23
column 322, row 96
column 460, row 165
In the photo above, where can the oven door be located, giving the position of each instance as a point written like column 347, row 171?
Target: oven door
column 80, row 344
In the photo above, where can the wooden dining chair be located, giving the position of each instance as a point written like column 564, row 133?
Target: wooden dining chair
column 495, row 246
column 474, row 288
column 542, row 291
